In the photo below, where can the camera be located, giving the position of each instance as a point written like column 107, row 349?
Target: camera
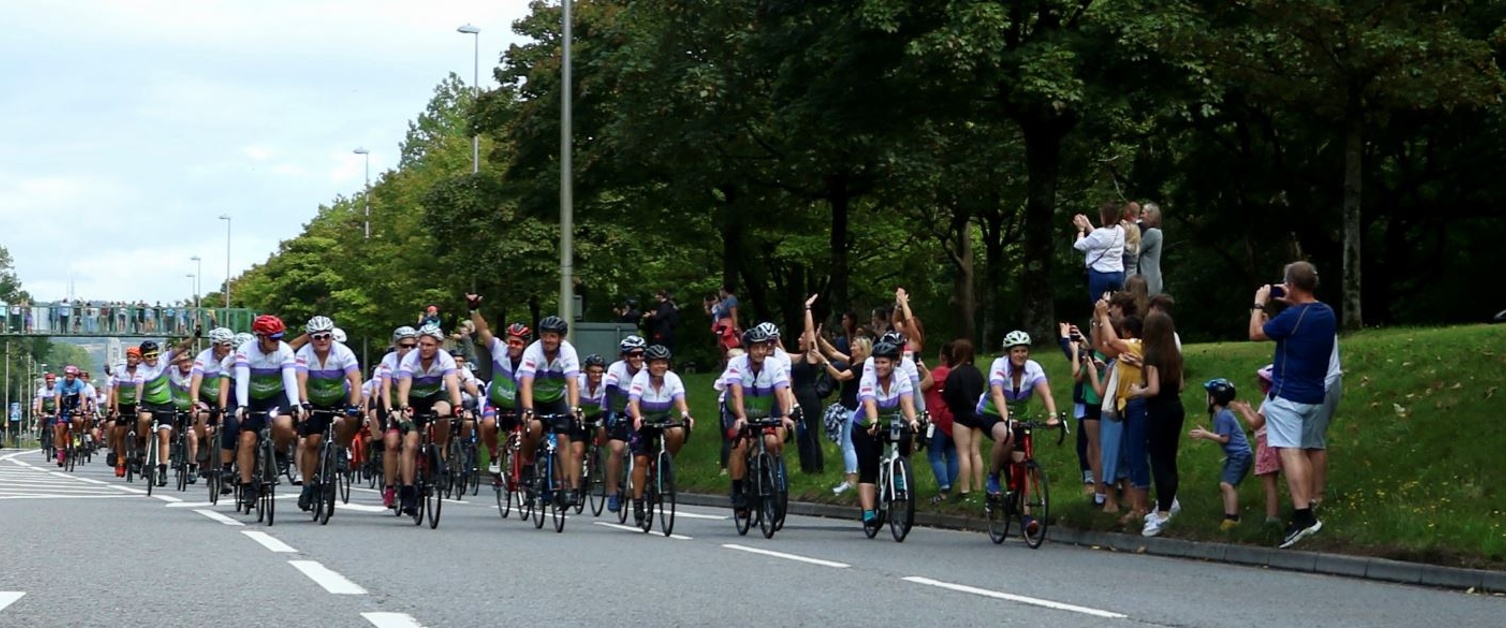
column 1278, row 291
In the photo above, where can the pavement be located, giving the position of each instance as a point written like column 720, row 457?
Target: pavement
column 87, row 549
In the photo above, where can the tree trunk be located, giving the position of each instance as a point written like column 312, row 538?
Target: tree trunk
column 1042, row 160
column 1354, row 231
column 839, row 196
column 993, row 277
column 966, row 299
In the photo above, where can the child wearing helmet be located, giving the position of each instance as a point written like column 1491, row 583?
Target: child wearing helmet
column 1267, row 461
column 1226, row 432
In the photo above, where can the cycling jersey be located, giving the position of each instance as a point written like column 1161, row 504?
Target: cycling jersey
column 887, row 398
column 905, row 366
column 179, row 382
column 758, row 383
column 1002, row 374
column 154, row 385
column 69, row 395
column 616, row 382
column 463, row 376
column 369, row 389
column 591, row 401
column 503, row 391
column 207, row 367
column 91, row 395
column 426, row 382
column 261, row 376
column 124, row 381
column 655, row 400
column 550, row 376
column 48, row 397
column 783, row 358
column 327, row 385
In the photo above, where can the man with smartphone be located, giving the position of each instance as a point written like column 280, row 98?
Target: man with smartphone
column 1305, row 336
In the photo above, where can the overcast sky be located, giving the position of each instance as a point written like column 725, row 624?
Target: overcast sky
column 128, row 127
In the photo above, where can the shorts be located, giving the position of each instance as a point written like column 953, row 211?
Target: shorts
column 127, row 416
column 987, row 421
column 1285, row 421
column 317, row 422
column 1315, row 432
column 641, row 442
column 619, row 427
column 563, row 420
column 1267, row 461
column 1235, row 470
column 579, row 430
column 728, row 420
column 162, row 414
column 967, row 420
column 261, row 407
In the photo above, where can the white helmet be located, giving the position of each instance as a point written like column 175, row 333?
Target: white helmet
column 769, row 329
column 403, row 333
column 1016, row 338
column 432, row 331
column 221, row 335
column 318, row 324
column 339, row 335
column 243, row 338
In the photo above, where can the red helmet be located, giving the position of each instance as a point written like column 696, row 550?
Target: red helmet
column 70, row 370
column 268, row 325
column 49, row 377
column 519, row 330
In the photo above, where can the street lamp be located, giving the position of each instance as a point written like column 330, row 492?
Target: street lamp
column 567, row 202
column 198, row 279
column 226, row 218
column 476, row 89
column 366, row 195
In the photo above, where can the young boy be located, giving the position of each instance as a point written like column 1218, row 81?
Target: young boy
column 1226, row 432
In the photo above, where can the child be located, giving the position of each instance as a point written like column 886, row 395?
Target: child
column 1226, row 431
column 1267, row 461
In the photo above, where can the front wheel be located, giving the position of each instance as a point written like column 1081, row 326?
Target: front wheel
column 596, row 489
column 768, row 496
column 998, row 520
column 268, row 493
column 666, row 493
column 1036, row 504
column 151, row 464
column 901, row 499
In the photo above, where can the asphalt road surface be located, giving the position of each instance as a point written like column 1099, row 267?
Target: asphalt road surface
column 87, row 549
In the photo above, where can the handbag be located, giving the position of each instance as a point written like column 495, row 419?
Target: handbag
column 824, row 385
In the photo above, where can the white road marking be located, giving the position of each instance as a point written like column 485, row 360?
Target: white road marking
column 803, row 559
column 129, row 489
column 392, row 620
column 619, row 526
column 270, row 542
column 64, row 496
column 89, row 480
column 1017, row 598
column 362, row 508
column 24, row 464
column 9, row 597
column 168, row 498
column 182, row 504
column 327, row 578
column 60, row 474
column 693, row 515
column 11, row 456
column 219, row 517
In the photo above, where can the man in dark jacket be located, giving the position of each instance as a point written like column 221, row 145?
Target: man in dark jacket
column 660, row 323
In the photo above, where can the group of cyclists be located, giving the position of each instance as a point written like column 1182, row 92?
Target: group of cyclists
column 297, row 390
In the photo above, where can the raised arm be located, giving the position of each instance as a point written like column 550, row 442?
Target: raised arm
column 483, row 331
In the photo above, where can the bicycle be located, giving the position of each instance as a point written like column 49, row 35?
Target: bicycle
column 152, row 474
column 659, row 481
column 896, row 481
column 1025, row 483
column 264, row 473
column 593, row 481
column 426, row 466
column 325, row 479
column 178, row 452
column 548, row 488
column 510, row 486
column 462, row 461
column 761, row 485
column 214, row 480
column 131, row 453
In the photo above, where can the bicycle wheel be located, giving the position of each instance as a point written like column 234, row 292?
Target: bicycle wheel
column 344, row 480
column 268, row 492
column 373, row 468
column 625, row 487
column 433, row 500
column 291, row 471
column 1035, row 501
column 212, row 482
column 901, row 500
column 539, row 499
column 473, row 470
column 596, row 483
column 70, row 458
column 130, row 461
column 768, row 495
column 998, row 520
column 329, row 482
column 650, row 496
column 150, row 472
column 500, row 483
column 180, row 464
column 665, row 495
column 451, row 466
column 782, row 484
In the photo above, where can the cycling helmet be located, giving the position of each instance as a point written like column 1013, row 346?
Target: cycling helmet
column 339, row 334
column 70, row 370
column 130, row 351
column 1016, row 338
column 755, row 336
column 268, row 325
column 49, row 377
column 519, row 330
column 656, row 352
column 893, row 338
column 595, row 360
column 770, row 329
column 457, row 354
column 1222, row 390
column 243, row 338
column 631, row 344
column 554, row 324
column 221, row 335
column 432, row 331
column 404, row 332
column 148, row 346
column 1264, row 373
column 886, row 350
column 318, row 324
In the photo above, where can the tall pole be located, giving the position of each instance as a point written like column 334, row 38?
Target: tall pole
column 567, row 202
column 226, row 218
column 366, row 195
column 197, row 284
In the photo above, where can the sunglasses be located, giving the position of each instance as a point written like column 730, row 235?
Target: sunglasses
column 635, row 354
column 149, row 356
column 322, row 336
column 407, row 345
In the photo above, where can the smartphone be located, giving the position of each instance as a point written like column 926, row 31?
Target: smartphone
column 1277, row 291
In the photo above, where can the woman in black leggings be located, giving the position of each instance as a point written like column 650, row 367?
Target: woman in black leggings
column 1162, row 390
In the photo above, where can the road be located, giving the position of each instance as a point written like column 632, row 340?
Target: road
column 173, row 560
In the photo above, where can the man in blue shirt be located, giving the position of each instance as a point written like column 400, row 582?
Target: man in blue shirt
column 1305, row 338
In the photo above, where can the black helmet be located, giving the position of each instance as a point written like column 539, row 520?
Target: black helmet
column 457, row 354
column 756, row 336
column 595, row 360
column 1222, row 390
column 886, row 350
column 148, row 346
column 656, row 352
column 554, row 324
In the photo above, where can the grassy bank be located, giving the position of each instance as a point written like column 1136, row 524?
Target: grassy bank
column 1415, row 471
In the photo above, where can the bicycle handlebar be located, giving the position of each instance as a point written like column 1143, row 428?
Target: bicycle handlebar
column 1061, row 425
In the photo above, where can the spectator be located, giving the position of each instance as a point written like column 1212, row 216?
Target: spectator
column 849, row 328
column 1122, row 433
column 724, row 316
column 1149, row 263
column 1305, row 335
column 963, row 386
column 1164, row 415
column 628, row 312
column 1130, row 220
column 848, row 369
column 1226, row 432
column 26, row 318
column 880, row 319
column 1315, row 435
column 430, row 316
column 1103, row 249
column 660, row 324
column 1267, row 463
column 1088, row 371
column 805, row 370
column 942, row 451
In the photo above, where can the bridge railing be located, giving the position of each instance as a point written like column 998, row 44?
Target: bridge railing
column 92, row 318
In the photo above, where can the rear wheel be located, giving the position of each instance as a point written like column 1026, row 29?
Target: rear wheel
column 901, row 500
column 1036, row 501
column 666, row 493
column 538, row 497
column 783, row 485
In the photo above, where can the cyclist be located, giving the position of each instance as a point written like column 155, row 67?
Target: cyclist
column 230, row 428
column 654, row 392
column 204, row 386
column 618, row 380
column 45, row 404
column 755, row 387
column 329, row 383
column 1012, row 381
column 592, row 399
column 156, row 400
column 906, row 364
column 550, row 366
column 404, row 340
column 266, row 381
column 427, row 379
column 778, row 354
column 339, row 336
column 502, row 392
column 70, row 402
column 93, row 400
column 883, row 392
column 470, row 392
column 180, row 383
column 123, row 396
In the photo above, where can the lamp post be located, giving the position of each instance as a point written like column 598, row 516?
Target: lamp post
column 567, row 202
column 476, row 90
column 226, row 218
column 199, row 278
column 366, row 195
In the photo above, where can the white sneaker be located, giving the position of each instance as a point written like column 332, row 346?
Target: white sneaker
column 841, row 488
column 1176, row 506
column 1153, row 524
column 495, row 468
